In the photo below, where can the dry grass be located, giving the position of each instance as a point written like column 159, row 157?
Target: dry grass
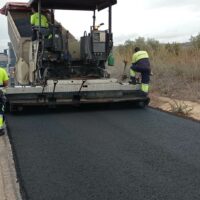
column 180, row 107
column 176, row 75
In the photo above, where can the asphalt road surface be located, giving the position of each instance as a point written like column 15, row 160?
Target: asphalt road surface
column 126, row 154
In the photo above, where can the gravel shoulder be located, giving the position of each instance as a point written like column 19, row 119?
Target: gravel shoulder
column 188, row 109
column 9, row 187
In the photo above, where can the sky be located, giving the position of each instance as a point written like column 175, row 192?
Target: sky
column 163, row 20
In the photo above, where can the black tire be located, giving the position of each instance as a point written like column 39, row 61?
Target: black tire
column 143, row 103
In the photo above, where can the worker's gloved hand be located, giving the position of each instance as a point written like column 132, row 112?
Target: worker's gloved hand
column 132, row 80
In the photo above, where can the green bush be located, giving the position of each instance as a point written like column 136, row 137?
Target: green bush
column 195, row 40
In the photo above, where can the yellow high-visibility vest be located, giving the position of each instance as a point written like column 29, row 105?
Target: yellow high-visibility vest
column 139, row 55
column 35, row 21
column 3, row 76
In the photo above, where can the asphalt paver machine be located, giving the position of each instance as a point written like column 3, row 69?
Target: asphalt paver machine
column 56, row 68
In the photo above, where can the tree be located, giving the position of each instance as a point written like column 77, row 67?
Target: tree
column 153, row 44
column 195, row 40
column 140, row 42
column 173, row 48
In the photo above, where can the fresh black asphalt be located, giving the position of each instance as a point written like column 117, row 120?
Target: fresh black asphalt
column 126, row 154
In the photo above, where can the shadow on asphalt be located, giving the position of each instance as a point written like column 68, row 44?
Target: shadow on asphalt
column 31, row 110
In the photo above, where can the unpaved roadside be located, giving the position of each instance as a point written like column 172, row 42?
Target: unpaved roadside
column 9, row 188
column 190, row 109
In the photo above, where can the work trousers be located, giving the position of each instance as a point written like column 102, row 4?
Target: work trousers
column 145, row 73
column 43, row 31
column 145, row 76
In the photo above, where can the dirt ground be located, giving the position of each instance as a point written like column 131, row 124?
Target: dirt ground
column 9, row 187
column 184, row 108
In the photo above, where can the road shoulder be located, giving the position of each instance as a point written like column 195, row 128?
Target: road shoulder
column 191, row 109
column 9, row 187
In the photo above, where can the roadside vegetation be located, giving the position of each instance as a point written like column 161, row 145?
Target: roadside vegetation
column 175, row 66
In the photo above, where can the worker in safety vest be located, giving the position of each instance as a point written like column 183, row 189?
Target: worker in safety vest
column 140, row 63
column 3, row 83
column 35, row 23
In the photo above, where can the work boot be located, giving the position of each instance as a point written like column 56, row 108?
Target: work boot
column 132, row 81
column 2, row 132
